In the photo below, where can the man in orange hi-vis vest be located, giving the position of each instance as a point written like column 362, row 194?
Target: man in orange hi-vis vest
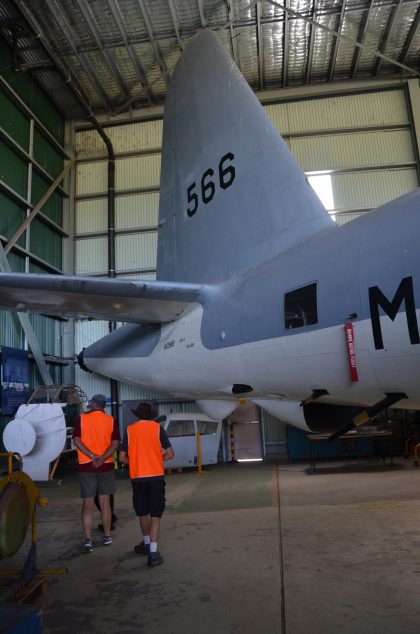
column 144, row 448
column 96, row 437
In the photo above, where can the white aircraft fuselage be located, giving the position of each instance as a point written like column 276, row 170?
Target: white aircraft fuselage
column 259, row 294
column 368, row 282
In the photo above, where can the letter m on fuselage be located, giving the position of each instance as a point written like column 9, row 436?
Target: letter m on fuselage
column 405, row 292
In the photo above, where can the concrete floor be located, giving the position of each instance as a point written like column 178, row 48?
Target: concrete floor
column 261, row 548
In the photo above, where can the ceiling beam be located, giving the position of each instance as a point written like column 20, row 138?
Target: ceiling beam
column 233, row 36
column 296, row 14
column 74, row 42
column 155, row 44
column 337, row 41
column 410, row 38
column 74, row 86
column 260, row 46
column 201, row 11
column 311, row 43
column 119, row 20
column 87, row 13
column 175, row 20
column 361, row 37
column 384, row 44
column 286, row 8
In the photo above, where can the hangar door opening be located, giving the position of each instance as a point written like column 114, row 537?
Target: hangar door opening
column 246, row 433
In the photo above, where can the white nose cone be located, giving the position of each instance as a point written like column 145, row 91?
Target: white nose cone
column 38, row 433
column 19, row 436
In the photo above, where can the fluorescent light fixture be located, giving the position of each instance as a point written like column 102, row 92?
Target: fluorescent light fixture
column 249, row 459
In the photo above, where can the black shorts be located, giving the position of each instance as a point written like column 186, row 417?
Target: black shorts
column 149, row 497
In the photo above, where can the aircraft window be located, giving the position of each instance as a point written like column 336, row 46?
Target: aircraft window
column 206, row 428
column 178, row 428
column 300, row 307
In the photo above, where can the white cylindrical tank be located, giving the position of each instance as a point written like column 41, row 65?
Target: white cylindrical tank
column 38, row 434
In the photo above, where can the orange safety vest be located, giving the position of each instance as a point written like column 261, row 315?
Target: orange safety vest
column 144, row 449
column 96, row 435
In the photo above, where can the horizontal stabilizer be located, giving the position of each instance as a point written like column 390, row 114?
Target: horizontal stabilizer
column 97, row 298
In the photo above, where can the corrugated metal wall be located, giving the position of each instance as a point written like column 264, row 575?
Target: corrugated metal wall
column 137, row 176
column 364, row 141
column 31, row 157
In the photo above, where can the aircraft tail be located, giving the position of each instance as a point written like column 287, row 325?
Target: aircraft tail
column 232, row 195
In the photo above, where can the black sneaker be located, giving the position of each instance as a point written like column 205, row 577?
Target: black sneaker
column 101, row 528
column 87, row 546
column 107, row 540
column 154, row 559
column 142, row 549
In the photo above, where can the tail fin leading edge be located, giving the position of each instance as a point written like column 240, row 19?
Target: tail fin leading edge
column 232, row 195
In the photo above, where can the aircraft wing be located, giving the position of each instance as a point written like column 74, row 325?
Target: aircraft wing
column 97, row 298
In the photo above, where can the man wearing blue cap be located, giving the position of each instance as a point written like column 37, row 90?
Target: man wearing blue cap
column 96, row 437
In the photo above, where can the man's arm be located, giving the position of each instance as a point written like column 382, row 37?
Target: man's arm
column 166, row 445
column 112, row 447
column 169, row 453
column 78, row 442
column 123, row 457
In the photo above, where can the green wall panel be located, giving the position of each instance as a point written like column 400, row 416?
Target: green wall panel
column 11, row 217
column 45, row 329
column 31, row 93
column 10, row 329
column 13, row 170
column 16, row 262
column 14, row 122
column 53, row 208
column 36, row 268
column 46, row 243
column 11, row 333
column 46, row 156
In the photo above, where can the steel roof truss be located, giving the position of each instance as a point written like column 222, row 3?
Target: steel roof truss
column 155, row 44
column 202, row 13
column 260, row 46
column 74, row 42
column 233, row 36
column 337, row 41
column 91, row 22
column 296, row 14
column 311, row 42
column 410, row 38
column 384, row 44
column 363, row 29
column 175, row 20
column 119, row 20
column 285, row 8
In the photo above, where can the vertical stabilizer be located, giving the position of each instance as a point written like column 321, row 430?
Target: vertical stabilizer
column 232, row 195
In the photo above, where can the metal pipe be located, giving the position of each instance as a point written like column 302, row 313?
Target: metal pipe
column 30, row 18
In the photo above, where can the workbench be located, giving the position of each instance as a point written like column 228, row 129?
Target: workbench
column 351, row 438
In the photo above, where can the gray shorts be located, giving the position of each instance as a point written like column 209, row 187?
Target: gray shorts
column 93, row 484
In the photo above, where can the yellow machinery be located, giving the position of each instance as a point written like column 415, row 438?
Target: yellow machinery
column 19, row 497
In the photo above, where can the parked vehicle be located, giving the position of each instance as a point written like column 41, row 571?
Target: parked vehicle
column 182, row 430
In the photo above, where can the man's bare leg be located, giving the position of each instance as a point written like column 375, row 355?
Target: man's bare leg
column 154, row 529
column 87, row 511
column 144, row 521
column 105, row 513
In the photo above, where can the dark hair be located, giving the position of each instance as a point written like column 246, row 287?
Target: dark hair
column 144, row 411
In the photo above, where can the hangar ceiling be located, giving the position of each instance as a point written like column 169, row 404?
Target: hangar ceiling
column 117, row 55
